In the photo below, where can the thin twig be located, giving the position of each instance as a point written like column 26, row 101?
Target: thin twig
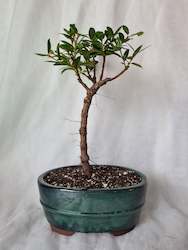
column 94, row 74
column 103, row 65
column 67, row 119
column 90, row 78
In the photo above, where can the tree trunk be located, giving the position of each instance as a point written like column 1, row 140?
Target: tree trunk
column 84, row 157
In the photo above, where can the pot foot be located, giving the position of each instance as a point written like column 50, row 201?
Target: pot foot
column 121, row 232
column 61, row 231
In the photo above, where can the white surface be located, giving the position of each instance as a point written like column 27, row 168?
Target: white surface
column 144, row 123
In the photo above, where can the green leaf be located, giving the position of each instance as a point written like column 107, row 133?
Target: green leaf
column 64, row 57
column 67, row 36
column 57, row 63
column 73, row 28
column 136, row 51
column 67, row 31
column 65, row 69
column 125, row 55
column 97, row 45
column 66, row 46
column 63, row 62
column 140, row 33
column 100, row 35
column 118, row 43
column 51, row 61
column 58, row 52
column 91, row 33
column 89, row 64
column 117, row 54
column 94, row 52
column 48, row 46
column 110, row 30
column 117, row 30
column 79, row 46
column 83, row 44
column 126, row 29
column 108, row 52
column 86, row 43
column 136, row 64
column 109, row 33
column 85, row 54
column 121, row 36
column 39, row 54
column 77, row 61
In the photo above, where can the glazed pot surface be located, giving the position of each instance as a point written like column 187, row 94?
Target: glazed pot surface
column 92, row 210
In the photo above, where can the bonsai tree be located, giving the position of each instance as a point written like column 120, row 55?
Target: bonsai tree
column 85, row 55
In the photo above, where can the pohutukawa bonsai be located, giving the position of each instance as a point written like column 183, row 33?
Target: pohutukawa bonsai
column 81, row 54
column 99, row 198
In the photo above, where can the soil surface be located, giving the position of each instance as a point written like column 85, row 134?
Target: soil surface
column 107, row 177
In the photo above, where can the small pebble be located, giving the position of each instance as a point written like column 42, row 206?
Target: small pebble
column 104, row 184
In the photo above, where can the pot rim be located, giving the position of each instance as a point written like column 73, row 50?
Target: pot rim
column 140, row 184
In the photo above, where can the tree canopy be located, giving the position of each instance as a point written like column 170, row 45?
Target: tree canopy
column 80, row 52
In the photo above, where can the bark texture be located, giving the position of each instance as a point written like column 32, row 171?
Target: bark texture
column 84, row 157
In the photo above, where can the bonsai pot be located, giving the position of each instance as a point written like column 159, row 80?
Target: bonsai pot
column 70, row 210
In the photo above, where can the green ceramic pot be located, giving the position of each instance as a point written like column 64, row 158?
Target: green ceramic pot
column 95, row 210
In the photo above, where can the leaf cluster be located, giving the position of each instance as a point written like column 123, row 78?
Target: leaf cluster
column 80, row 52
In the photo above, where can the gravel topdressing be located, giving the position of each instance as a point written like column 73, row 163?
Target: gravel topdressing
column 107, row 177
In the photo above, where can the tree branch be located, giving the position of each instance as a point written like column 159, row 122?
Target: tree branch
column 80, row 80
column 121, row 73
column 109, row 79
column 103, row 64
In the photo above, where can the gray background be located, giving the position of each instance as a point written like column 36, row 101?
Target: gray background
column 140, row 120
